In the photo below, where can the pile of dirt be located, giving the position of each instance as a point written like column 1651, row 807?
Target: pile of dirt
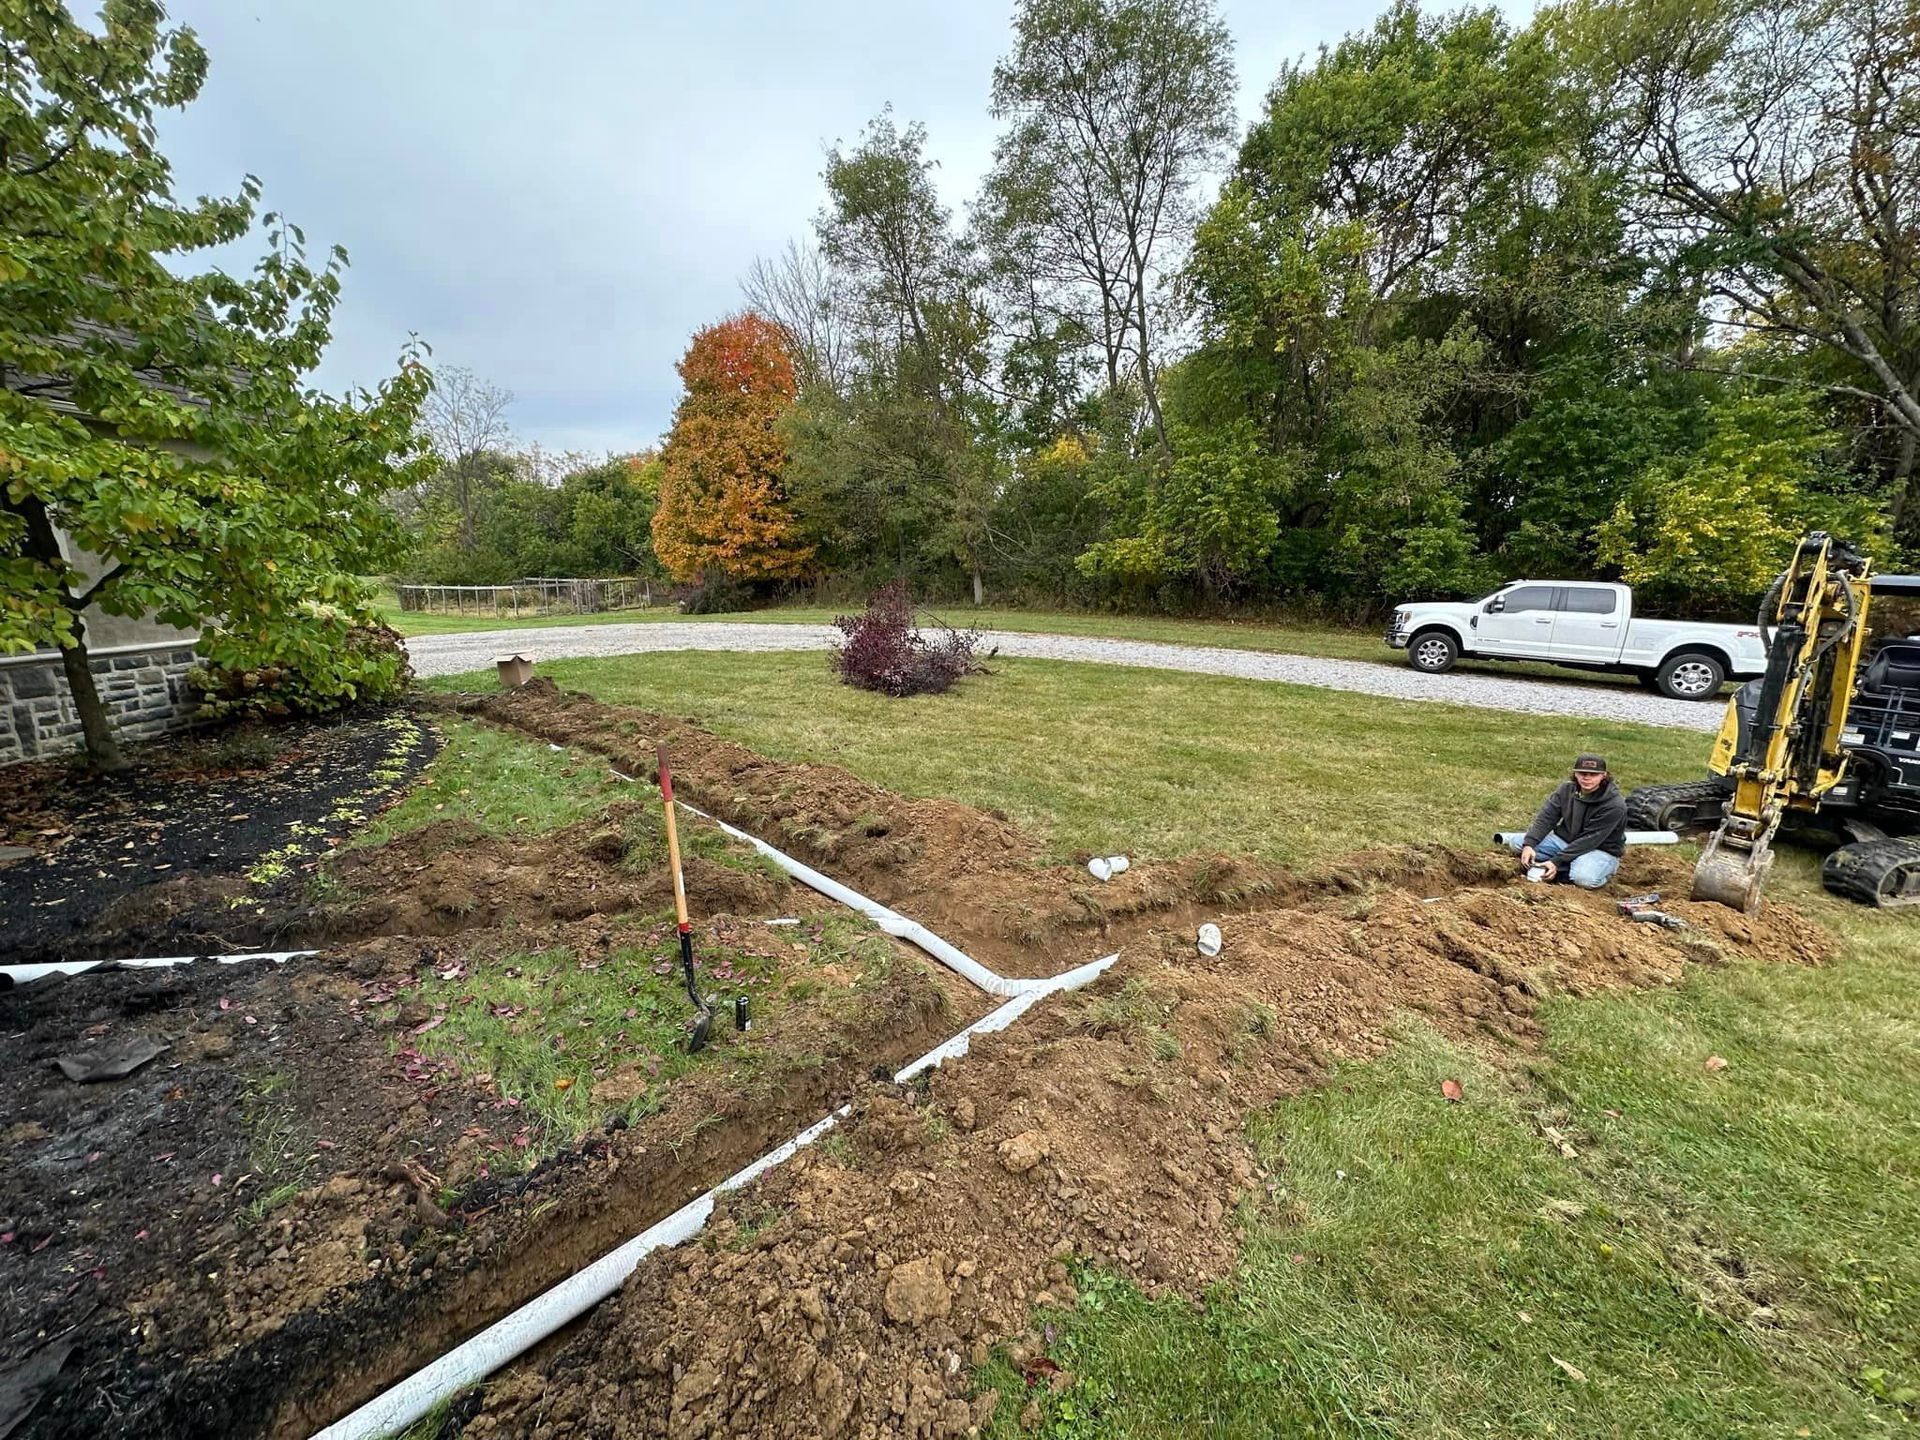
column 968, row 874
column 854, row 1293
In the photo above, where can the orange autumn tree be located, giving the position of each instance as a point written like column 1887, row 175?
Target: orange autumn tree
column 722, row 506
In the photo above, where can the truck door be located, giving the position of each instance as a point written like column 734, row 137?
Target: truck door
column 1517, row 622
column 1588, row 624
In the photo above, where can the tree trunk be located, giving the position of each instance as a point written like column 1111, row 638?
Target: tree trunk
column 103, row 750
column 979, row 590
column 96, row 726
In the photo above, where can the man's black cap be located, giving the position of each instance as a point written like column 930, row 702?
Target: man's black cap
column 1590, row 765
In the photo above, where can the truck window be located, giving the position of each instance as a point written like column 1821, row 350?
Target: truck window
column 1589, row 600
column 1529, row 597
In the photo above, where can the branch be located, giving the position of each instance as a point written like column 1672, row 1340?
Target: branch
column 77, row 603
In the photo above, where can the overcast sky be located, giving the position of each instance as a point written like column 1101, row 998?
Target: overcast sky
column 558, row 194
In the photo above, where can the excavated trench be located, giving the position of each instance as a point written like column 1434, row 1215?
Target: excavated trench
column 857, row 1285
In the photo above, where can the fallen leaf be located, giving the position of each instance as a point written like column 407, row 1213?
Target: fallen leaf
column 225, row 1003
column 1451, row 1089
column 565, row 1082
column 139, row 1234
column 216, row 1180
column 1716, row 1062
column 426, row 1025
column 1525, row 1318
column 1574, row 1372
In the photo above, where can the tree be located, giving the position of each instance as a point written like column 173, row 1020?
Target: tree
column 807, row 299
column 1713, row 527
column 160, row 421
column 910, row 423
column 1778, row 150
column 466, row 419
column 723, row 510
column 1117, row 108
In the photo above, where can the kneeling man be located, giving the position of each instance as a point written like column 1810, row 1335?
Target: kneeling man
column 1581, row 832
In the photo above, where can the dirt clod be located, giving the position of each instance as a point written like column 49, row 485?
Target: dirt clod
column 917, row 1292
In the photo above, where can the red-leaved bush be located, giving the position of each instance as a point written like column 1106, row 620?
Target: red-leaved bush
column 883, row 651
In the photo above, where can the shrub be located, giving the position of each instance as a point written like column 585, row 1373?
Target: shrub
column 883, row 651
column 366, row 663
column 717, row 594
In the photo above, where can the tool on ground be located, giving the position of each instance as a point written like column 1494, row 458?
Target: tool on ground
column 1657, row 917
column 1826, row 740
column 703, row 1008
column 742, row 1014
column 1639, row 902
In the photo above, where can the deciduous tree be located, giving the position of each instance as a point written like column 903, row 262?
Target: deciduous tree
column 161, row 420
column 723, row 507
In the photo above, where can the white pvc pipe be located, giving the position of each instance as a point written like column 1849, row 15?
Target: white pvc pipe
column 1633, row 837
column 891, row 921
column 26, row 974
column 513, row 1335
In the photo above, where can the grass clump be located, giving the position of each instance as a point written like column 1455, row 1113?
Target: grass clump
column 504, row 783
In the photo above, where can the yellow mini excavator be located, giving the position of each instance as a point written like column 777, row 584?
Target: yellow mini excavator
column 1815, row 735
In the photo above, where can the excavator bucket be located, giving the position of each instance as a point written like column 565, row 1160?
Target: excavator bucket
column 1729, row 875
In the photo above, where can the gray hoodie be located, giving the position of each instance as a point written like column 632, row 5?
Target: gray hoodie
column 1586, row 822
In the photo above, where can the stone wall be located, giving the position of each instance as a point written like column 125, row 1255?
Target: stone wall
column 142, row 689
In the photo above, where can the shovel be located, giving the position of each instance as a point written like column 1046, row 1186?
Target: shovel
column 703, row 1009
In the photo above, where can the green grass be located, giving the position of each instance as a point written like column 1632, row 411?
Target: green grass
column 1730, row 1253
column 503, row 782
column 1144, row 762
column 545, row 1025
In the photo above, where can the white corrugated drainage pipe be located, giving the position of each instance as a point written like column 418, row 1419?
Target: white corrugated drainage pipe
column 12, row 975
column 513, row 1335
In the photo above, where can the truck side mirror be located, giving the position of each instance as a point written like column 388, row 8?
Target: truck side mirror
column 1496, row 605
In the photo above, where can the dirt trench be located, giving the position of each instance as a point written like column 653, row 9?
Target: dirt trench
column 851, row 1292
column 970, row 875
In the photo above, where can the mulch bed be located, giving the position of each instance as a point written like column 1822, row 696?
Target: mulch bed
column 208, row 808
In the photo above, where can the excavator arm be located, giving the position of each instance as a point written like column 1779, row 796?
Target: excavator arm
column 1814, row 622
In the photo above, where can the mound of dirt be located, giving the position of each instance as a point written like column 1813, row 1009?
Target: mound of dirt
column 969, row 874
column 854, row 1293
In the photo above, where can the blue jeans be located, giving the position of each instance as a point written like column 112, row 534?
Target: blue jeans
column 1589, row 871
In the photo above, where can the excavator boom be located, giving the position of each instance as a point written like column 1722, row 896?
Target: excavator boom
column 1814, row 623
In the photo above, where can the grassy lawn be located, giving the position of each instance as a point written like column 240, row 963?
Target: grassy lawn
column 1733, row 1252
column 1148, row 763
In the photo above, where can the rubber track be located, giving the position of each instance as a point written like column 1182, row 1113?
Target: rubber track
column 1866, row 871
column 1647, row 807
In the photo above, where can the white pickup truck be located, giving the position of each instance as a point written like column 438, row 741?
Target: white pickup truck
column 1583, row 625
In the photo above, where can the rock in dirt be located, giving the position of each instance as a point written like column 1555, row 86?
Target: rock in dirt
column 917, row 1292
column 1023, row 1151
column 113, row 1061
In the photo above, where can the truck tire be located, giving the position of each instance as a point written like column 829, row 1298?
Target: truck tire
column 1433, row 652
column 1691, row 675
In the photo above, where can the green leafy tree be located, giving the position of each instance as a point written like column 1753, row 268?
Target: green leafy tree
column 1114, row 109
column 1712, row 528
column 157, row 420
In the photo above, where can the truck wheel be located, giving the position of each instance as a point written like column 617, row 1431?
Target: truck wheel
column 1691, row 675
column 1433, row 651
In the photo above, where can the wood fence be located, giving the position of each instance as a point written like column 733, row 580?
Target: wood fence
column 534, row 595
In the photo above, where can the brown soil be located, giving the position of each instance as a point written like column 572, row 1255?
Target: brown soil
column 1105, row 1125
column 970, row 875
column 850, row 1292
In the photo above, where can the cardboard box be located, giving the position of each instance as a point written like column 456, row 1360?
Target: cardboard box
column 515, row 670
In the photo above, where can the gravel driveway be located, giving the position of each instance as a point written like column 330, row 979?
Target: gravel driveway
column 451, row 654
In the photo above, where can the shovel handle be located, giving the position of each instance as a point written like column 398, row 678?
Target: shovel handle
column 673, row 838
